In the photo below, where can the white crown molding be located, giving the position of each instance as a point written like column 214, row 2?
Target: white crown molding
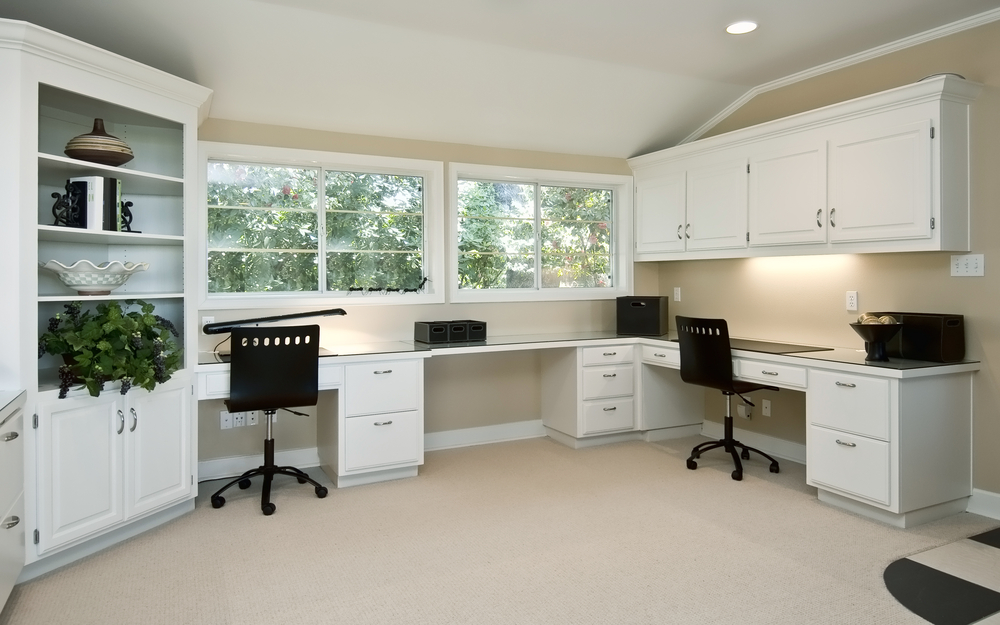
column 908, row 42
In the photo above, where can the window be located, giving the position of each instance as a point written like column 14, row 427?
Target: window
column 528, row 234
column 337, row 226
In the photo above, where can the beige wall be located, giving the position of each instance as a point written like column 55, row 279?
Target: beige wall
column 461, row 391
column 802, row 299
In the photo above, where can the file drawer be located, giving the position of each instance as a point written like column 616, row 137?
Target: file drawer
column 607, row 415
column 662, row 356
column 853, row 464
column 608, row 355
column 382, row 440
column 607, row 381
column 850, row 403
column 378, row 387
column 770, row 373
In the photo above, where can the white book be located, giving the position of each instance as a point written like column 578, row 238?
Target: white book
column 100, row 203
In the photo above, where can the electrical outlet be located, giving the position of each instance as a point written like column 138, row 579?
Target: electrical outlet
column 239, row 419
column 745, row 410
column 252, row 417
column 205, row 321
column 968, row 265
column 765, row 407
column 225, row 420
column 677, row 293
column 852, row 301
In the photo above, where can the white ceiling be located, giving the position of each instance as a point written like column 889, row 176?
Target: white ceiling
column 597, row 77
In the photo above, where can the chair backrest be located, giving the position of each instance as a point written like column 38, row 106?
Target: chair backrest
column 706, row 357
column 274, row 367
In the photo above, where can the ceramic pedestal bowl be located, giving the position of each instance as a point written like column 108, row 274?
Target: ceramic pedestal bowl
column 86, row 278
column 876, row 335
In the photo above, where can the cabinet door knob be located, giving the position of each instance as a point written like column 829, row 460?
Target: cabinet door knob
column 833, row 217
column 819, row 213
column 121, row 421
column 840, row 442
column 9, row 436
column 679, row 231
column 610, row 375
column 135, row 420
column 381, row 372
column 11, row 522
column 377, row 423
column 846, row 384
column 687, row 234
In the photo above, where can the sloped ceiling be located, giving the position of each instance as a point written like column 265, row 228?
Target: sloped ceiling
column 595, row 77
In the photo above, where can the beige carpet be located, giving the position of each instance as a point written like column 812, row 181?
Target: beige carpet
column 522, row 532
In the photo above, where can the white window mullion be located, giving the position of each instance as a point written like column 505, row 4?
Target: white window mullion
column 321, row 235
column 538, row 237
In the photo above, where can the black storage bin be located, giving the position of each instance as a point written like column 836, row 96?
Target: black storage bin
column 642, row 316
column 927, row 336
column 475, row 330
column 430, row 331
column 458, row 331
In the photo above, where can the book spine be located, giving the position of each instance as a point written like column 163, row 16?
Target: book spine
column 112, row 204
column 91, row 201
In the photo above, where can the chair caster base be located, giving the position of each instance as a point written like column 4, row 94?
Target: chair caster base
column 302, row 480
column 244, row 484
column 773, row 468
column 268, row 509
column 218, row 502
column 691, row 464
column 321, row 491
column 745, row 455
column 738, row 475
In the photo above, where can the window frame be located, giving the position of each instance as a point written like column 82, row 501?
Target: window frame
column 432, row 172
column 621, row 219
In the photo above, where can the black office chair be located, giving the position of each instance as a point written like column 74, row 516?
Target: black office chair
column 707, row 360
column 271, row 368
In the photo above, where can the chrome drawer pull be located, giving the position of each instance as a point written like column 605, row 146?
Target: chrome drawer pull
column 610, row 375
column 135, row 420
column 383, row 423
column 769, row 372
column 610, row 353
column 840, row 442
column 679, row 232
column 381, row 372
column 611, row 408
column 818, row 214
column 846, row 384
column 9, row 436
column 121, row 419
column 660, row 355
column 11, row 522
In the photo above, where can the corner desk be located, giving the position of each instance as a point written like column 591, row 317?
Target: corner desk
column 892, row 441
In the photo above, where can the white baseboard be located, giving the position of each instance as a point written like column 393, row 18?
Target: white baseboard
column 467, row 437
column 985, row 503
column 796, row 452
column 218, row 468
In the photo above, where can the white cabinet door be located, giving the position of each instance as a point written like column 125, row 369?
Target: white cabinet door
column 880, row 181
column 787, row 203
column 717, row 205
column 80, row 450
column 660, row 211
column 158, row 444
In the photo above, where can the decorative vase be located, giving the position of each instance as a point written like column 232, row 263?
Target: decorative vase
column 98, row 146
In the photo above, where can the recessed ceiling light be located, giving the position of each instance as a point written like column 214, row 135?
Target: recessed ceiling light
column 740, row 28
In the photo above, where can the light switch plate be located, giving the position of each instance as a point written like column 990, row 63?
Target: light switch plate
column 968, row 265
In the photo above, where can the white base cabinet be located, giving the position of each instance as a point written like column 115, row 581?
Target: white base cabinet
column 12, row 523
column 102, row 461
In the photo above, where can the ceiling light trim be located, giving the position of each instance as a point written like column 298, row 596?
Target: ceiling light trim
column 968, row 23
column 741, row 27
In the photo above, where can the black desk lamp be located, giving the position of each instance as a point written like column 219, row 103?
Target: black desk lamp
column 227, row 326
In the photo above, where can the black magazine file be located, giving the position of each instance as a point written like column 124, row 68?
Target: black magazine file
column 274, row 367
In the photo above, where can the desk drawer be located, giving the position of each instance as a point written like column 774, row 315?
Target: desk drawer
column 607, row 415
column 607, row 355
column 381, row 440
column 770, row 373
column 379, row 387
column 607, row 381
column 850, row 403
column 853, row 464
column 214, row 385
column 662, row 356
column 330, row 375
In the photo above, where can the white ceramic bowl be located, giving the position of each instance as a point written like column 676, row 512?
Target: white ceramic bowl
column 86, row 278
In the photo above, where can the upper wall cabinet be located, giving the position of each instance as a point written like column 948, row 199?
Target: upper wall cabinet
column 883, row 173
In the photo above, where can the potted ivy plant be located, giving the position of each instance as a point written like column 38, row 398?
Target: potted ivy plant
column 112, row 344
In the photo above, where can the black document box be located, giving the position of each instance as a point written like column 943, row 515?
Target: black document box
column 642, row 316
column 430, row 331
column 927, row 336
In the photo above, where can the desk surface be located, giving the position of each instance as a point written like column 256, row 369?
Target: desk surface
column 741, row 347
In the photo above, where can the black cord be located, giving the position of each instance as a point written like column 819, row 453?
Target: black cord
column 215, row 350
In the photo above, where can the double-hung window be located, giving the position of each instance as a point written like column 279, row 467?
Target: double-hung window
column 291, row 225
column 539, row 235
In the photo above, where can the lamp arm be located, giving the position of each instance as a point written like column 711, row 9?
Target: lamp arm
column 227, row 326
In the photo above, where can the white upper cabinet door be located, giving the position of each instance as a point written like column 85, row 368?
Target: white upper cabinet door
column 659, row 214
column 788, row 193
column 717, row 205
column 880, row 182
column 159, row 441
